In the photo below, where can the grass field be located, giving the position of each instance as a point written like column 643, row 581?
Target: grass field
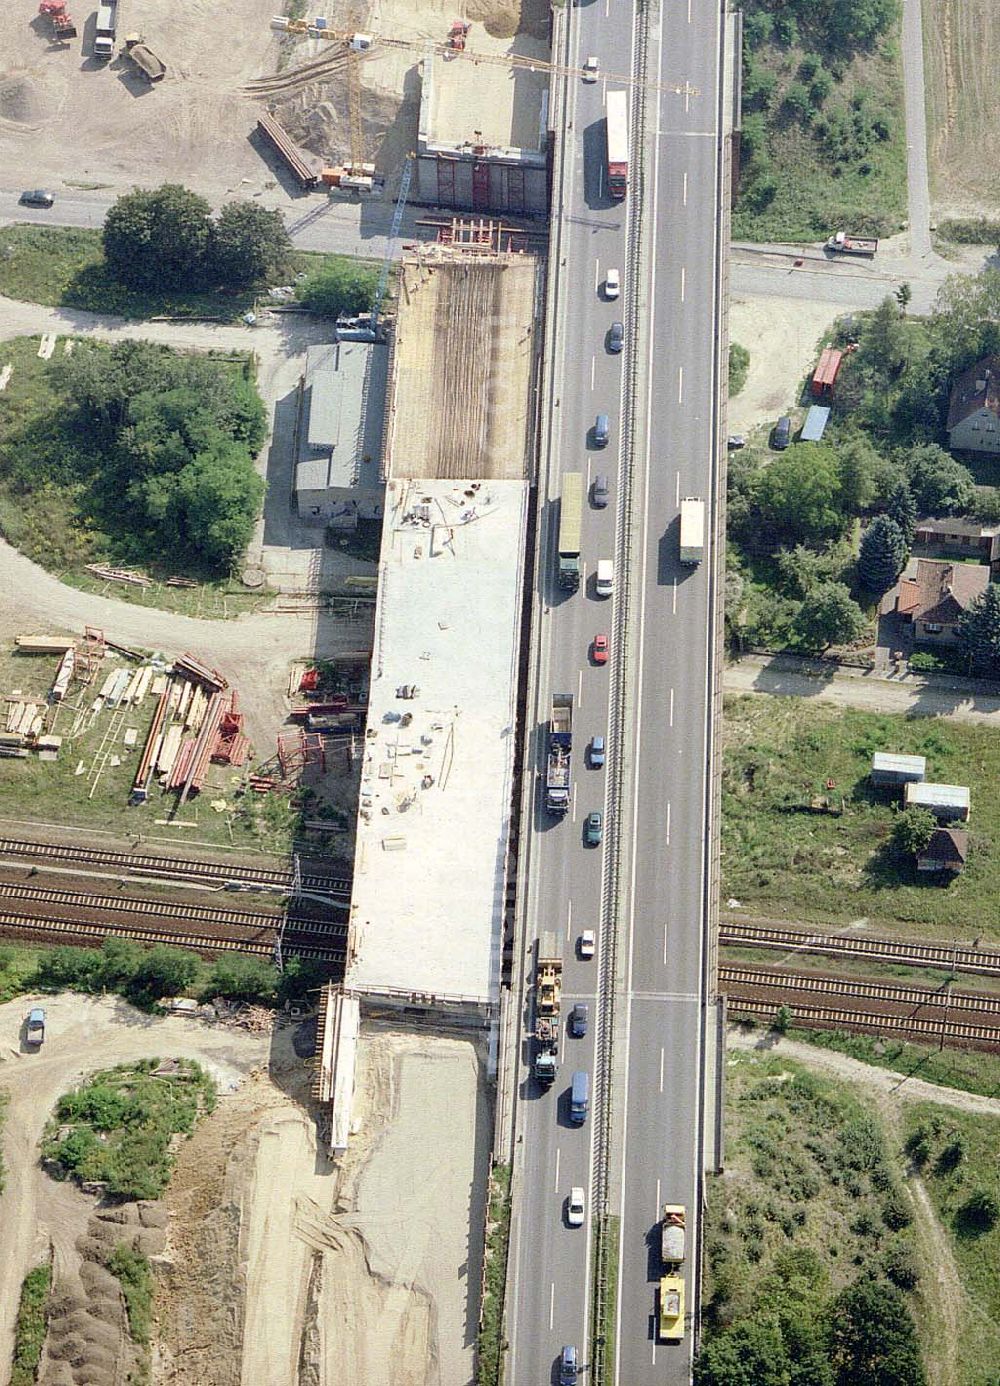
column 962, row 76
column 957, row 1156
column 63, row 267
column 949, row 1068
column 780, row 860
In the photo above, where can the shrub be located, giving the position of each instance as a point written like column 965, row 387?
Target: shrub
column 739, row 365
column 978, row 1213
column 341, row 287
column 136, row 1276
column 896, row 1210
column 900, row 1264
column 32, row 1321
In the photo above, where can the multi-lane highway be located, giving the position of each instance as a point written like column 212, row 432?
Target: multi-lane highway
column 663, row 634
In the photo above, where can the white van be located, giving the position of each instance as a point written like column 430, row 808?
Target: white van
column 605, row 577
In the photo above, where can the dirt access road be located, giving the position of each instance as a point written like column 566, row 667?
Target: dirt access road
column 912, row 696
column 82, row 1035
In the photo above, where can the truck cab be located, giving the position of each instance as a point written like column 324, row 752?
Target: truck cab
column 104, row 33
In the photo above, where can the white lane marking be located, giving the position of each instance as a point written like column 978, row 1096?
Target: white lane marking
column 656, row 1209
column 574, row 803
column 593, row 368
column 668, row 825
column 675, row 596
column 569, row 921
column 683, row 282
column 677, row 491
column 664, row 945
column 680, row 384
column 558, row 1153
column 671, row 707
column 552, row 1305
column 689, row 11
column 684, row 198
column 662, row 1063
column 597, row 272
column 579, row 688
column 589, row 464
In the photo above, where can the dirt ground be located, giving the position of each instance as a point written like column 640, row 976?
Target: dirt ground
column 962, row 70
column 486, row 309
column 82, row 1035
column 782, row 337
column 195, row 126
column 278, row 1265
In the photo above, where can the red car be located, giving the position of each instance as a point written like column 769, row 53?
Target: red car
column 599, row 649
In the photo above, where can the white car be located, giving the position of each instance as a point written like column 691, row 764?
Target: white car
column 590, row 69
column 575, row 1208
column 588, row 943
column 612, row 284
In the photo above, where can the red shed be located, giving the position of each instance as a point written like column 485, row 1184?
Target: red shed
column 825, row 374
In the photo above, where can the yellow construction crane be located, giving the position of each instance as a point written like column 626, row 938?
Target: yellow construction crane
column 365, row 42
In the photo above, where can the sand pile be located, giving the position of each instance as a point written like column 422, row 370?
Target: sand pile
column 23, row 101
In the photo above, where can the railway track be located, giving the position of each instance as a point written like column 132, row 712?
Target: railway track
column 165, row 909
column 177, row 868
column 960, row 1034
column 874, row 993
column 84, row 933
column 956, row 958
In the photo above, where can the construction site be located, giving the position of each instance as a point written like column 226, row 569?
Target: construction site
column 193, row 113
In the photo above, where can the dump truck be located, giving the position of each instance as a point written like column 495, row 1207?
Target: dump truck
column 672, row 1234
column 570, row 519
column 34, row 1032
column 104, row 33
column 559, row 754
column 692, row 530
column 847, row 244
column 671, row 1318
column 151, row 67
column 548, row 994
column 616, row 122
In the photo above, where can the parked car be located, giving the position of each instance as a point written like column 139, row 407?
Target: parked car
column 587, row 943
column 600, row 492
column 34, row 1032
column 616, row 338
column 37, row 197
column 578, row 1018
column 599, row 649
column 782, row 434
column 735, row 441
column 596, row 752
column 590, row 69
column 575, row 1207
column 612, row 284
column 593, row 828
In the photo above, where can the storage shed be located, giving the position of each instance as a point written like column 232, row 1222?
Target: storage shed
column 946, row 852
column 826, row 372
column 889, row 768
column 814, row 427
column 946, row 801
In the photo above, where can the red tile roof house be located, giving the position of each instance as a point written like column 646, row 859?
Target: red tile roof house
column 932, row 594
column 974, row 409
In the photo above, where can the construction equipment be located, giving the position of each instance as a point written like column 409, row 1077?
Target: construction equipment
column 548, row 994
column 60, row 22
column 397, row 221
column 457, row 35
column 559, row 754
column 672, row 1238
column 151, row 67
column 316, row 29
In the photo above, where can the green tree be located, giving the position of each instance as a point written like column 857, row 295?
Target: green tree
column 874, row 1342
column 986, row 505
column 798, row 102
column 158, row 239
column 752, row 1353
column 912, row 830
column 799, row 497
column 164, row 971
column 979, row 630
column 859, row 465
column 739, row 365
column 882, row 554
column 219, row 496
column 978, row 1213
column 238, row 977
column 882, row 347
column 249, row 244
column 940, row 484
column 858, row 25
column 900, row 1264
column 344, row 286
column 902, row 508
column 903, row 295
column 828, row 616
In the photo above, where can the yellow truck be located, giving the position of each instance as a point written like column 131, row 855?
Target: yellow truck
column 671, row 1321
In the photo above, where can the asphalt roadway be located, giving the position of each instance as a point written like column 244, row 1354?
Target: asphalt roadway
column 661, row 954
